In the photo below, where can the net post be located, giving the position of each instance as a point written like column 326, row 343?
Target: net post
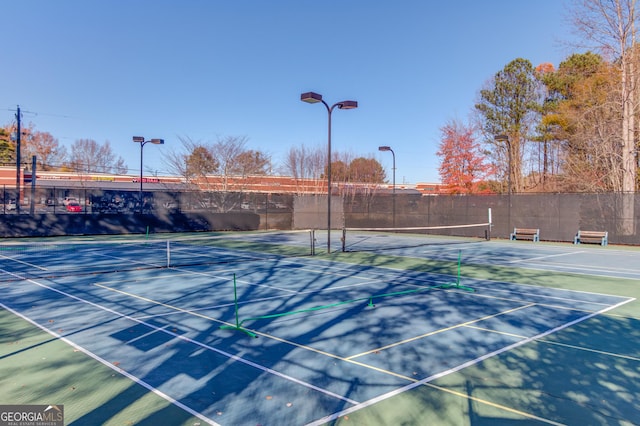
column 344, row 239
column 489, row 226
column 168, row 253
column 312, row 236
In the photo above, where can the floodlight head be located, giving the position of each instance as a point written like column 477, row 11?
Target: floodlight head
column 348, row 105
column 138, row 139
column 311, row 97
column 157, row 141
column 502, row 138
column 384, row 148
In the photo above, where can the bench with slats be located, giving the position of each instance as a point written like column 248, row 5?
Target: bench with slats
column 595, row 237
column 526, row 234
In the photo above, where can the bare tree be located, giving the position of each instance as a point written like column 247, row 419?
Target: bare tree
column 304, row 163
column 610, row 25
column 88, row 156
column 193, row 161
column 222, row 168
column 227, row 152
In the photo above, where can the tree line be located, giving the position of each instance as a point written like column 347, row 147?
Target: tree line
column 573, row 128
column 201, row 162
column 83, row 156
column 204, row 162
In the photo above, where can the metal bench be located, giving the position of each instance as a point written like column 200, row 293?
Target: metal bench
column 596, row 237
column 526, row 234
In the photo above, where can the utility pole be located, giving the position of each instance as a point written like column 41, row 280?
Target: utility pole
column 18, row 160
column 32, row 207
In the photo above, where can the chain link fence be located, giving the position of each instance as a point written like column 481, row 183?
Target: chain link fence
column 557, row 216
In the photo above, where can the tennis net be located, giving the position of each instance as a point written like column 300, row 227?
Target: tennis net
column 93, row 255
column 384, row 239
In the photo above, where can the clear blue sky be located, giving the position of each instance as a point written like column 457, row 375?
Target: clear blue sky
column 109, row 70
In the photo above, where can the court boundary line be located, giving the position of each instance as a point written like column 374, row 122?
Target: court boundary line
column 33, row 265
column 546, row 256
column 416, row 382
column 349, row 359
column 162, row 330
column 108, row 364
column 566, row 345
column 464, row 365
column 440, row 330
column 561, row 268
column 412, row 385
column 576, row 269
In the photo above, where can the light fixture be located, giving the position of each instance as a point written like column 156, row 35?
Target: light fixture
column 314, row 98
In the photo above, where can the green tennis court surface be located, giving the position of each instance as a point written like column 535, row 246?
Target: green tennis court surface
column 441, row 332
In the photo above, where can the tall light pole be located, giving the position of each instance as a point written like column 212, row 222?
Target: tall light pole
column 142, row 142
column 18, row 134
column 312, row 98
column 388, row 148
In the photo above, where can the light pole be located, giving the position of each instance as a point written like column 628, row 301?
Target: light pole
column 388, row 148
column 312, row 98
column 142, row 142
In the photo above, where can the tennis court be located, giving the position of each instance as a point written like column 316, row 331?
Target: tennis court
column 253, row 329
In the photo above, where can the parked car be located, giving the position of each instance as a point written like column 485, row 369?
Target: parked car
column 69, row 200
column 11, row 205
column 74, row 207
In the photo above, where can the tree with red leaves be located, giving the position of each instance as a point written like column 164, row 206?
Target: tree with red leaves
column 463, row 168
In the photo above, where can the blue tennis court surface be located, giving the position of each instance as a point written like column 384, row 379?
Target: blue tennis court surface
column 330, row 342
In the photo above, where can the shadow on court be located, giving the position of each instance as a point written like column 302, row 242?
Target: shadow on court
column 586, row 374
column 163, row 331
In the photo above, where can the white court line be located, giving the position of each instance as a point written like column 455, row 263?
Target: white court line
column 545, row 257
column 24, row 263
column 178, row 336
column 360, row 405
column 113, row 367
column 417, row 281
column 378, row 276
column 570, row 266
column 470, row 363
column 479, row 359
column 142, row 336
column 100, row 359
column 540, row 297
column 596, row 271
